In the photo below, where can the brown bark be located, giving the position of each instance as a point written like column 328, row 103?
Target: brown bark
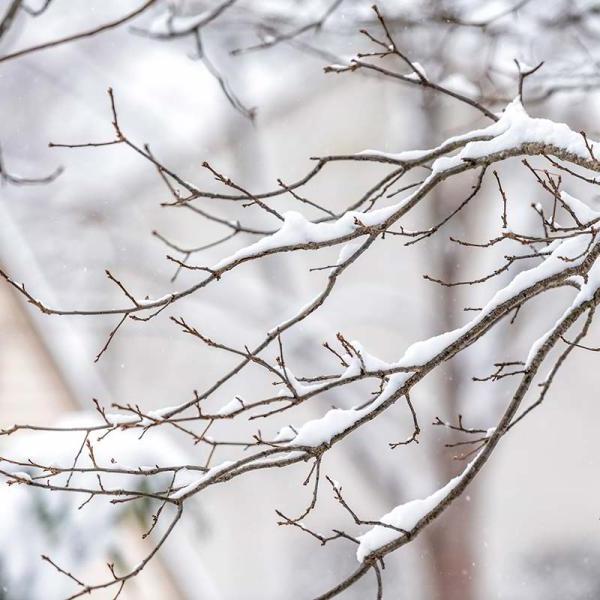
column 450, row 541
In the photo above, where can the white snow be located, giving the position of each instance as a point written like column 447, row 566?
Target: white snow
column 587, row 291
column 405, row 516
column 296, row 229
column 285, row 434
column 336, row 421
column 281, row 459
column 584, row 213
column 195, row 485
column 516, row 128
column 338, row 68
column 160, row 413
column 419, row 71
column 348, row 250
column 121, row 419
column 231, row 407
column 155, row 301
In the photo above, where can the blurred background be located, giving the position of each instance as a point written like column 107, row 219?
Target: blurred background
column 528, row 528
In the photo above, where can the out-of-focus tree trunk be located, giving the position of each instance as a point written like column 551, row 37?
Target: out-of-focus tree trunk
column 450, row 541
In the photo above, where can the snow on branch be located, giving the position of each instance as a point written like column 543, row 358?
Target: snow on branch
column 404, row 517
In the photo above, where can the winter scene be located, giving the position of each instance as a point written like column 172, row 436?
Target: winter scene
column 298, row 299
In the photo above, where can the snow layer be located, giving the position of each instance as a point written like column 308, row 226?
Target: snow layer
column 516, row 128
column 336, row 421
column 231, row 407
column 587, row 291
column 194, row 485
column 584, row 213
column 405, row 516
column 297, row 229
